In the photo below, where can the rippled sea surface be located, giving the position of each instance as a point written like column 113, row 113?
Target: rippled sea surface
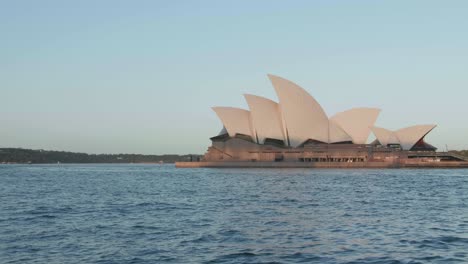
column 160, row 214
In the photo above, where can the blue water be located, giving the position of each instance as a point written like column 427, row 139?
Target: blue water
column 159, row 214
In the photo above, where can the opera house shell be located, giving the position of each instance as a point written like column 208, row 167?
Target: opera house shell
column 297, row 129
column 298, row 119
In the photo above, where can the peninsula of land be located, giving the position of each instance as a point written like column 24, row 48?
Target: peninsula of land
column 30, row 156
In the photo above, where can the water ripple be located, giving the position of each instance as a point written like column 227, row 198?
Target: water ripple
column 159, row 214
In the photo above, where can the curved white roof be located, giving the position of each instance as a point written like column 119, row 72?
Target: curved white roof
column 266, row 118
column 357, row 122
column 235, row 120
column 298, row 117
column 337, row 134
column 303, row 117
column 409, row 136
column 385, row 136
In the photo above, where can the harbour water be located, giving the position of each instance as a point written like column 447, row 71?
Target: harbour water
column 160, row 214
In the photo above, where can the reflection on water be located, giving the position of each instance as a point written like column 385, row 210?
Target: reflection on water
column 156, row 213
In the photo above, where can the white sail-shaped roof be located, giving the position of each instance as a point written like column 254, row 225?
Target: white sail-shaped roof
column 337, row 134
column 406, row 137
column 385, row 136
column 303, row 117
column 357, row 122
column 298, row 118
column 266, row 118
column 409, row 136
column 235, row 120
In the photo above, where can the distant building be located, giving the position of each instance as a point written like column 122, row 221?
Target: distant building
column 296, row 129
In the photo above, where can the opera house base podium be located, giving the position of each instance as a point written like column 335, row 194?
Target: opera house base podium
column 240, row 153
column 322, row 165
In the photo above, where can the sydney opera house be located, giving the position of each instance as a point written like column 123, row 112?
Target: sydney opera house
column 295, row 131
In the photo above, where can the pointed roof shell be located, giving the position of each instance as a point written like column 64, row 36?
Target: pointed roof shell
column 303, row 116
column 235, row 120
column 409, row 136
column 357, row 122
column 385, row 136
column 266, row 118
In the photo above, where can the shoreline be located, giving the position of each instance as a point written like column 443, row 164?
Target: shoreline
column 71, row 163
column 325, row 165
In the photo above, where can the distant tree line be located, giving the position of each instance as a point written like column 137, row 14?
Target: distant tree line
column 18, row 155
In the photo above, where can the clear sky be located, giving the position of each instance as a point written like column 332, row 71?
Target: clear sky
column 141, row 76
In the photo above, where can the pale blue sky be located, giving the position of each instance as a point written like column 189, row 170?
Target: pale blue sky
column 141, row 76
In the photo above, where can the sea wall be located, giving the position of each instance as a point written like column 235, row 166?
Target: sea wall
column 338, row 165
